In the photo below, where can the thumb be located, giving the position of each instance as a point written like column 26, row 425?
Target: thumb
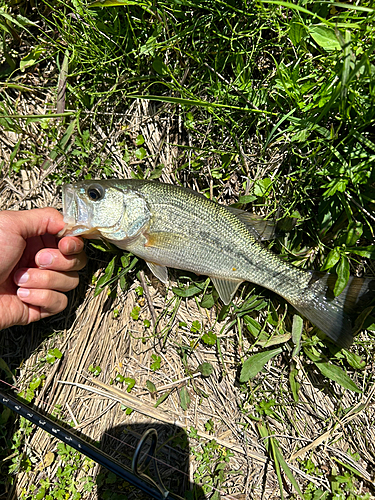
column 17, row 227
column 29, row 223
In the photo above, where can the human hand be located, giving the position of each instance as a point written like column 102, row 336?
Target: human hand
column 35, row 268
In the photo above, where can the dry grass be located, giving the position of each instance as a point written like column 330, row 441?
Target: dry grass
column 88, row 333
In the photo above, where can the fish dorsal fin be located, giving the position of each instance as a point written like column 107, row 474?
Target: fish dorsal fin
column 226, row 288
column 259, row 227
column 161, row 272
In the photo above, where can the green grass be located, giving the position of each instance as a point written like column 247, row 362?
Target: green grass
column 271, row 106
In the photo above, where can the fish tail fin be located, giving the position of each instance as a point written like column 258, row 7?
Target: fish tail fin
column 336, row 316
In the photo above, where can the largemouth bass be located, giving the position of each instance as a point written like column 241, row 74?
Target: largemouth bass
column 170, row 226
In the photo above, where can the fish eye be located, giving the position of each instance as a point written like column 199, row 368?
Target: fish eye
column 95, row 192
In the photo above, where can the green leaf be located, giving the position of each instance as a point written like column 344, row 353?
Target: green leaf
column 195, row 327
column 162, row 399
column 296, row 32
column 55, row 352
column 209, row 338
column 346, row 65
column 157, row 172
column 120, row 378
column 50, row 358
column 159, row 66
column 324, row 36
column 252, row 325
column 278, row 456
column 297, row 328
column 205, row 369
column 186, row 292
column 14, row 152
column 140, row 153
column 208, row 301
column 294, row 384
column 300, row 136
column 333, row 372
column 265, row 341
column 151, row 386
column 135, row 313
column 95, row 370
column 41, row 494
column 35, row 383
column 130, row 382
column 262, row 187
column 140, row 140
column 331, row 260
column 32, row 58
column 100, row 246
column 156, row 364
column 248, row 198
column 368, row 252
column 334, row 186
column 343, row 275
column 61, row 145
column 103, row 280
column 354, row 360
column 370, row 323
column 355, row 231
column 125, row 259
column 270, row 445
column 184, row 398
column 253, row 365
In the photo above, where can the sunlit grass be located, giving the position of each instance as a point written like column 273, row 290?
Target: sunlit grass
column 274, row 104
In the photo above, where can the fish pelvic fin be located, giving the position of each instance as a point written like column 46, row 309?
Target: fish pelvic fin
column 336, row 316
column 161, row 272
column 226, row 288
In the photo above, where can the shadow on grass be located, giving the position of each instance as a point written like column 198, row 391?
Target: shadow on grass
column 140, row 460
column 169, row 469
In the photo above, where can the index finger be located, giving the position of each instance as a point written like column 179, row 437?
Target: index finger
column 71, row 245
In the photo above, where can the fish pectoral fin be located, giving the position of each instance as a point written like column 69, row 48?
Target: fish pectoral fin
column 161, row 272
column 161, row 240
column 226, row 288
column 262, row 229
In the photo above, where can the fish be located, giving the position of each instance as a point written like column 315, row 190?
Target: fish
column 172, row 226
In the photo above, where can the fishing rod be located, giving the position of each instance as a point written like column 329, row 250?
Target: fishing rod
column 142, row 457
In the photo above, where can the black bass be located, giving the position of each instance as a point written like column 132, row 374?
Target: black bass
column 170, row 226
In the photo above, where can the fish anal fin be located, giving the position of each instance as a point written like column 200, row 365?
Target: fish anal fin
column 161, row 272
column 226, row 288
column 259, row 227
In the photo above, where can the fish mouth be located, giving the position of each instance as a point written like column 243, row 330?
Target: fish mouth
column 76, row 214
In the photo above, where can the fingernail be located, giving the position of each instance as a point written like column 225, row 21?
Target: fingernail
column 71, row 246
column 21, row 277
column 23, row 292
column 44, row 259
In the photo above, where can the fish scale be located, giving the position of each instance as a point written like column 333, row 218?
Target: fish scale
column 229, row 245
column 218, row 230
column 171, row 226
